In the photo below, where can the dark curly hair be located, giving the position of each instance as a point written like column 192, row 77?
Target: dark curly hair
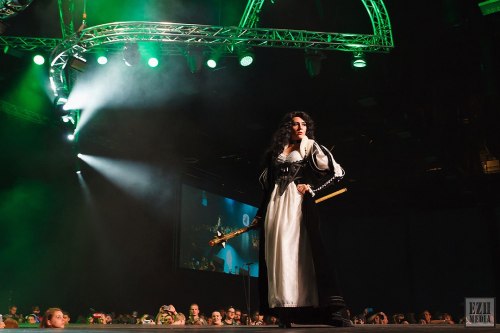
column 282, row 135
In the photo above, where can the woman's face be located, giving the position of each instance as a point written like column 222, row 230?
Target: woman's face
column 57, row 320
column 216, row 318
column 299, row 128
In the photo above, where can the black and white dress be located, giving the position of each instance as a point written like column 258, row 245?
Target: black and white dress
column 288, row 259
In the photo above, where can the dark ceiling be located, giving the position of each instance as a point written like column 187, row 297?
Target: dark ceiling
column 408, row 129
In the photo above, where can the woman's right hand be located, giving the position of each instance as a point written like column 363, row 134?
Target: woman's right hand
column 303, row 188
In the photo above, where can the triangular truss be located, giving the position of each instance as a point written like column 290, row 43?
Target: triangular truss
column 175, row 38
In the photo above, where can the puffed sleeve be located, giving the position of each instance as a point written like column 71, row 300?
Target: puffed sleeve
column 322, row 160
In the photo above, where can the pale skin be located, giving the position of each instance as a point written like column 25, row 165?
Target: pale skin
column 216, row 318
column 194, row 311
column 57, row 320
column 299, row 129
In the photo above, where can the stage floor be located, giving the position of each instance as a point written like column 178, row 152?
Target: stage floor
column 270, row 328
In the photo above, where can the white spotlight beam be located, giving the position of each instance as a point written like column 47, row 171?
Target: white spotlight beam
column 141, row 181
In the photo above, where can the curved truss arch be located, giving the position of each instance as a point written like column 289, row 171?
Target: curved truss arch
column 175, row 37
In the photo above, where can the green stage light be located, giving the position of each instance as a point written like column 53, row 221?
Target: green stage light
column 212, row 63
column 153, row 62
column 214, row 56
column 246, row 58
column 358, row 60
column 39, row 59
column 102, row 60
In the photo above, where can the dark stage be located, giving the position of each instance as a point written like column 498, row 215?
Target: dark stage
column 119, row 219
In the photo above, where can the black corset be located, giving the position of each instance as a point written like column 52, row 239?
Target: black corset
column 286, row 173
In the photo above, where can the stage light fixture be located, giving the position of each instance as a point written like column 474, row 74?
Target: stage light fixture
column 71, row 137
column 153, row 62
column 102, row 60
column 152, row 52
column 214, row 57
column 39, row 59
column 13, row 52
column 194, row 58
column 212, row 63
column 359, row 60
column 61, row 100
column 131, row 55
column 246, row 57
column 68, row 119
column 9, row 8
column 313, row 60
column 78, row 63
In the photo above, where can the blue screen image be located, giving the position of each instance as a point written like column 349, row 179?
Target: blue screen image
column 202, row 215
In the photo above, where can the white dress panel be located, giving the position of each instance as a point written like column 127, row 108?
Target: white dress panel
column 291, row 276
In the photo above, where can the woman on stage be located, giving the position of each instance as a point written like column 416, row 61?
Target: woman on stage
column 297, row 281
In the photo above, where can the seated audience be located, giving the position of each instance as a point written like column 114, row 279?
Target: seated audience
column 378, row 318
column 31, row 319
column 257, row 319
column 272, row 320
column 36, row 311
column 194, row 316
column 13, row 314
column 10, row 323
column 146, row 319
column 399, row 318
column 180, row 319
column 447, row 319
column 53, row 318
column 166, row 315
column 229, row 319
column 66, row 318
column 217, row 318
column 237, row 317
column 425, row 317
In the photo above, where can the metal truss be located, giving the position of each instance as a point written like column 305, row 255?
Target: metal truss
column 66, row 10
column 9, row 8
column 250, row 16
column 29, row 43
column 177, row 38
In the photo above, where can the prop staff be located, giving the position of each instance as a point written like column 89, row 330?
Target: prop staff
column 222, row 239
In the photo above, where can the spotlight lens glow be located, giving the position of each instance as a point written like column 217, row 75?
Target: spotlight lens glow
column 102, row 60
column 62, row 101
column 246, row 60
column 211, row 63
column 153, row 62
column 39, row 60
column 71, row 137
column 359, row 63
